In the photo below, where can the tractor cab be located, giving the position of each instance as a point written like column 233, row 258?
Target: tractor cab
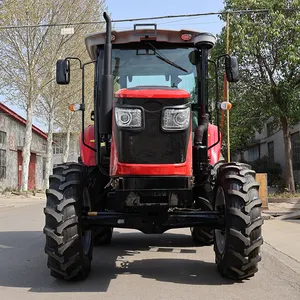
column 151, row 60
column 160, row 82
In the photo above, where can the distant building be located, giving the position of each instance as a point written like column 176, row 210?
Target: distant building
column 59, row 146
column 270, row 143
column 12, row 133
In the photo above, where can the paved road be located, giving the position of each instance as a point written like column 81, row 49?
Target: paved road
column 134, row 266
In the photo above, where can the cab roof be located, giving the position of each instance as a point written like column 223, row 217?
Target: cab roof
column 131, row 36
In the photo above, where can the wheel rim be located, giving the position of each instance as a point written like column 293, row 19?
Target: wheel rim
column 220, row 234
column 86, row 235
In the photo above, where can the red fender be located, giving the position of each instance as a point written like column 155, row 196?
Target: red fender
column 214, row 153
column 87, row 155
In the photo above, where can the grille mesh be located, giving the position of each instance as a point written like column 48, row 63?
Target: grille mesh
column 152, row 145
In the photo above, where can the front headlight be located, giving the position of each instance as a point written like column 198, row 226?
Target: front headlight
column 176, row 119
column 128, row 117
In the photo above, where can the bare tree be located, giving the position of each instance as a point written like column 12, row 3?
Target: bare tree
column 69, row 122
column 28, row 56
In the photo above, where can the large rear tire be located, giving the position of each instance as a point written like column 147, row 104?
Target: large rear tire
column 237, row 247
column 68, row 246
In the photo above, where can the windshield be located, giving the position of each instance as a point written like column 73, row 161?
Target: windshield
column 153, row 66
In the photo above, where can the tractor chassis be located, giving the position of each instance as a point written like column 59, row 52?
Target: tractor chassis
column 155, row 224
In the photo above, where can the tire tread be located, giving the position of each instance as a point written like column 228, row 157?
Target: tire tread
column 66, row 258
column 243, row 208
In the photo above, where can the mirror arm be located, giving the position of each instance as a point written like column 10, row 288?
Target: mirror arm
column 219, row 58
column 75, row 58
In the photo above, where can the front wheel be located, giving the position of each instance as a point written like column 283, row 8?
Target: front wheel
column 68, row 246
column 237, row 246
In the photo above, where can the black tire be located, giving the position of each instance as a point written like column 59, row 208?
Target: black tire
column 103, row 236
column 203, row 236
column 237, row 249
column 68, row 247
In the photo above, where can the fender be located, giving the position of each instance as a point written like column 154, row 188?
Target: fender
column 215, row 152
column 87, row 155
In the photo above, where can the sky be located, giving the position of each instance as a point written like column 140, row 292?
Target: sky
column 126, row 9
column 142, row 8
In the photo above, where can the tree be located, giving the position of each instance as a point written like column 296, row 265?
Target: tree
column 56, row 99
column 20, row 52
column 268, row 48
column 69, row 122
column 28, row 55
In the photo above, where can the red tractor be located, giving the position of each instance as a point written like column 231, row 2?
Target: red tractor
column 151, row 161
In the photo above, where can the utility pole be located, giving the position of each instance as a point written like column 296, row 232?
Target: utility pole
column 226, row 88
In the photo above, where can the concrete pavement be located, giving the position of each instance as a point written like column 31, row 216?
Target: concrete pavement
column 9, row 200
column 138, row 266
column 284, row 237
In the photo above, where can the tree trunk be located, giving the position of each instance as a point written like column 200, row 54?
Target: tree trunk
column 289, row 175
column 49, row 150
column 67, row 145
column 27, row 146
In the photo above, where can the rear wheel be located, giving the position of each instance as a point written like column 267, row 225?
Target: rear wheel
column 68, row 246
column 237, row 246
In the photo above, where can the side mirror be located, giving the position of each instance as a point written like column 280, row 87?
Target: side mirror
column 194, row 57
column 232, row 68
column 63, row 71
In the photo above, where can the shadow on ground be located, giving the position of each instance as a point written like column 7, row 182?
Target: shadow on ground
column 23, row 262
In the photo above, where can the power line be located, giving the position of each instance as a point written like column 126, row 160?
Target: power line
column 167, row 24
column 248, row 11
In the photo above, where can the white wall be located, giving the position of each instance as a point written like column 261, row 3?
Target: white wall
column 74, row 150
column 277, row 138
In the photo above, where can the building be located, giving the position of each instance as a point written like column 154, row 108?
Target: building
column 12, row 132
column 270, row 143
column 59, row 146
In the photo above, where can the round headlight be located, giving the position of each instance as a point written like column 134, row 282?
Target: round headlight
column 125, row 118
column 128, row 117
column 176, row 118
column 180, row 118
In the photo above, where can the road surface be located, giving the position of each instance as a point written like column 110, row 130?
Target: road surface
column 134, row 266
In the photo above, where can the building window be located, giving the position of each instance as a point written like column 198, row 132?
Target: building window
column 58, row 147
column 270, row 129
column 2, row 138
column 295, row 141
column 253, row 153
column 2, row 164
column 44, row 147
column 271, row 152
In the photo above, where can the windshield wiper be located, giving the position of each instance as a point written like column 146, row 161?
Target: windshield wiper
column 163, row 58
column 171, row 63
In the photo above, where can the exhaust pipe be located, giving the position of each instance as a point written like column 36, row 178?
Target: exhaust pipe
column 204, row 41
column 107, row 86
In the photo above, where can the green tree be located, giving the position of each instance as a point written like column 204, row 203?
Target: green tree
column 268, row 48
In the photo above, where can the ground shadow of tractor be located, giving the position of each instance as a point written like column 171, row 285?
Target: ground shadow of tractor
column 24, row 265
